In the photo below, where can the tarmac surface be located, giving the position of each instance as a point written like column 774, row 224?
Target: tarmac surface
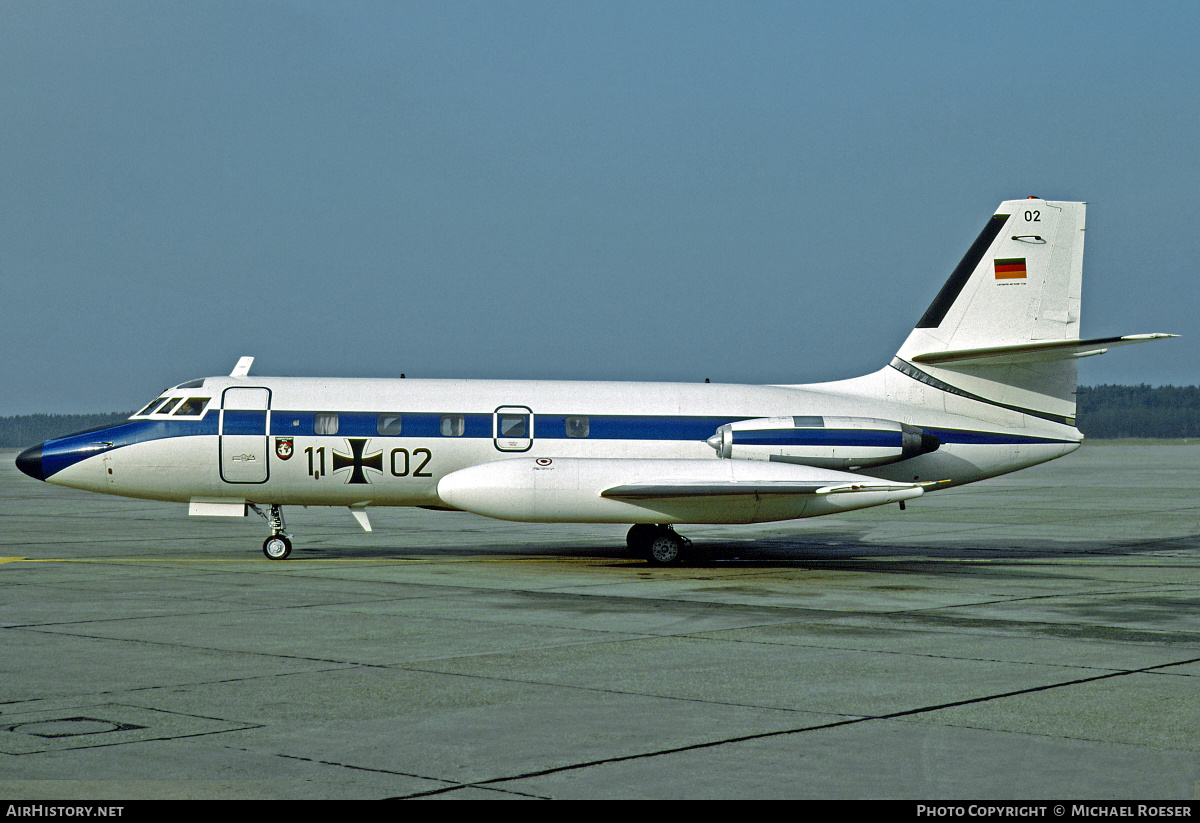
column 1034, row 636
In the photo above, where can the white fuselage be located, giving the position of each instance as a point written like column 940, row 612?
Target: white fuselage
column 388, row 442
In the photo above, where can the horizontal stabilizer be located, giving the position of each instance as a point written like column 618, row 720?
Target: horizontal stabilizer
column 1031, row 352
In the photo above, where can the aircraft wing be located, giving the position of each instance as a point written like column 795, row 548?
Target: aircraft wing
column 627, row 490
column 644, row 491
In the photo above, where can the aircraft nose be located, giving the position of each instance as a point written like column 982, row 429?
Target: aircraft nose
column 30, row 462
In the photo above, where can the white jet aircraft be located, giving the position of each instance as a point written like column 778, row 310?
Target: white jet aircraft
column 985, row 384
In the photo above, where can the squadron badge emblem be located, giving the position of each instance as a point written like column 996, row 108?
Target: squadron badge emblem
column 283, row 447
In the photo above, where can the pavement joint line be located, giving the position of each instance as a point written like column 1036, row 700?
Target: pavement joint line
column 229, row 609
column 241, row 727
column 272, row 655
column 619, row 637
column 617, row 692
column 189, row 685
column 343, row 666
column 901, row 653
column 351, row 766
column 602, row 638
column 227, row 680
column 809, row 613
column 1135, row 589
column 786, row 732
column 501, row 791
column 760, row 611
column 458, row 589
column 451, row 784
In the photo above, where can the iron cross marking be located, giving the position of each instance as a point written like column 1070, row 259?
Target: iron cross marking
column 356, row 461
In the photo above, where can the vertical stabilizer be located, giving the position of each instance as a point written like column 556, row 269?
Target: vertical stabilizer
column 1019, row 282
column 999, row 329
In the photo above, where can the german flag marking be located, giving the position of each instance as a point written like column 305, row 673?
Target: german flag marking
column 1010, row 268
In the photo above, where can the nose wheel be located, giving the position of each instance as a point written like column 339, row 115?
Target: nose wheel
column 279, row 545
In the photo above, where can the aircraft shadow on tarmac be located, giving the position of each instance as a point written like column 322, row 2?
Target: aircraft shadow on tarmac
column 829, row 550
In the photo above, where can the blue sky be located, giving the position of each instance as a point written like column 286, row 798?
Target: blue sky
column 749, row 192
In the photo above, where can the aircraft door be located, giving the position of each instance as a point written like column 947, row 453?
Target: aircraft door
column 512, row 428
column 245, row 422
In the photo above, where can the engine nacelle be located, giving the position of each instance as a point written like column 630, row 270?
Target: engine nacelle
column 842, row 443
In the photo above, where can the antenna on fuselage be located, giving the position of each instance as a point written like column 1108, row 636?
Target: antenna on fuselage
column 242, row 368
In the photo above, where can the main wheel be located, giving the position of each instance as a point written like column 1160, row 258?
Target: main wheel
column 665, row 549
column 277, row 547
column 639, row 537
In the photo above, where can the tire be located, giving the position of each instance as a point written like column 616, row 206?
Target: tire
column 639, row 537
column 665, row 548
column 277, row 547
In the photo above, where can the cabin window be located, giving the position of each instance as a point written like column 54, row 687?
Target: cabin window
column 325, row 423
column 166, row 407
column 389, row 425
column 514, row 425
column 193, row 406
column 453, row 425
column 577, row 427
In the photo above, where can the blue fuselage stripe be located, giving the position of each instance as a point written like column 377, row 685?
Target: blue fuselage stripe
column 59, row 453
column 545, row 426
column 244, row 422
column 978, row 438
column 818, row 437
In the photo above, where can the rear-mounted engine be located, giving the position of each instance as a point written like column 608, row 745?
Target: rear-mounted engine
column 845, row 443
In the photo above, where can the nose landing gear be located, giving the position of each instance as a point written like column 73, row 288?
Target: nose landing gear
column 278, row 546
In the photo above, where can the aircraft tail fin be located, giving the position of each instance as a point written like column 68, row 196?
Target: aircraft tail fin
column 1004, row 329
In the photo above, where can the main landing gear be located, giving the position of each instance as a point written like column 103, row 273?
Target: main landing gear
column 278, row 546
column 660, row 545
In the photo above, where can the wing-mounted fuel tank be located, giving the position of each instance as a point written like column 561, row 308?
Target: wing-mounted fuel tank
column 843, row 443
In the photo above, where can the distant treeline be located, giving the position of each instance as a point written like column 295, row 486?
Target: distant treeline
column 30, row 429
column 1104, row 412
column 1109, row 412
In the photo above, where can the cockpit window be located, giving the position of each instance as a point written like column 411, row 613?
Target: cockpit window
column 191, row 384
column 167, row 405
column 149, row 406
column 193, row 406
